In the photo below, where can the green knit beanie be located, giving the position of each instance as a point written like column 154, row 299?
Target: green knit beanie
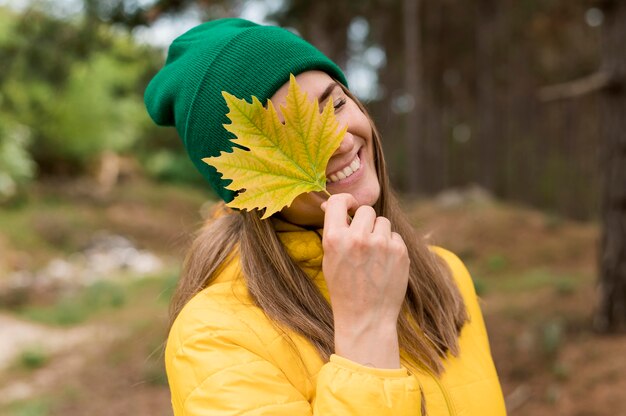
column 232, row 55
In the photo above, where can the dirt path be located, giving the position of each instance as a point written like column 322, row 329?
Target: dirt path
column 17, row 335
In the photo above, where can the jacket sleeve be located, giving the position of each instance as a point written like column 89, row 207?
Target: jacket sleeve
column 219, row 372
column 347, row 388
column 217, row 368
column 466, row 285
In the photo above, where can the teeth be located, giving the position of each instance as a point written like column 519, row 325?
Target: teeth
column 345, row 172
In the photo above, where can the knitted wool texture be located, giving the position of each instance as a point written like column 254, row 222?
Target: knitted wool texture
column 232, row 55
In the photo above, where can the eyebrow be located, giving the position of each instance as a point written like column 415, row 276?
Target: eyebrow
column 323, row 96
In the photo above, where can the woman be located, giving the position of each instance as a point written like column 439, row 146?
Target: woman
column 309, row 312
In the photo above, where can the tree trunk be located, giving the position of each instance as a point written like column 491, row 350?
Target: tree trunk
column 413, row 85
column 388, row 34
column 322, row 23
column 488, row 147
column 611, row 315
column 433, row 131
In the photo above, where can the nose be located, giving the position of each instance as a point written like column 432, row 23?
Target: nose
column 347, row 144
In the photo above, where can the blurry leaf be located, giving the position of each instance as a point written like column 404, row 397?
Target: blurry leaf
column 283, row 160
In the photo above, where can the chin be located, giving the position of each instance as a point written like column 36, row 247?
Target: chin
column 367, row 196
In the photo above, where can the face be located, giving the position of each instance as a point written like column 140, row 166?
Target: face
column 351, row 168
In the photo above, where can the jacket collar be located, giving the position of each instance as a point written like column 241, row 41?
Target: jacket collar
column 302, row 244
column 305, row 247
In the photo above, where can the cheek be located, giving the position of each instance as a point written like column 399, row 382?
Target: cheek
column 373, row 190
column 368, row 190
column 365, row 132
column 373, row 183
column 301, row 203
column 304, row 210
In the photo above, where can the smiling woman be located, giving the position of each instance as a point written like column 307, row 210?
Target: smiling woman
column 351, row 168
column 330, row 306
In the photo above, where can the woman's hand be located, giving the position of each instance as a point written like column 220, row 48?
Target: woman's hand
column 366, row 267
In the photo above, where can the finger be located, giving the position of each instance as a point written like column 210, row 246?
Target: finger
column 336, row 211
column 397, row 239
column 363, row 220
column 382, row 226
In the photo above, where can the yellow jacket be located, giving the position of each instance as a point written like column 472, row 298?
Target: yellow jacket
column 224, row 357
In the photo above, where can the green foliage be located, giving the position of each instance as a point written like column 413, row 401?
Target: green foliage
column 497, row 262
column 16, row 165
column 62, row 313
column 7, row 23
column 77, row 86
column 94, row 112
column 104, row 294
column 33, row 357
column 75, row 309
column 31, row 407
column 171, row 166
column 535, row 279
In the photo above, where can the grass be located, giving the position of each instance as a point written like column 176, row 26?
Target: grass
column 497, row 262
column 31, row 407
column 77, row 308
column 100, row 298
column 33, row 357
column 530, row 280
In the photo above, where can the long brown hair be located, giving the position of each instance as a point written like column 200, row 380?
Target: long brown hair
column 432, row 315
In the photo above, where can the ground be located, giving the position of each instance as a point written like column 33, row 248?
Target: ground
column 534, row 272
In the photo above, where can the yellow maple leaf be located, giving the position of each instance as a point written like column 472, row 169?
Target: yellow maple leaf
column 283, row 160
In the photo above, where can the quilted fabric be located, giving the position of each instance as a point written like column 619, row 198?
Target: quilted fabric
column 224, row 357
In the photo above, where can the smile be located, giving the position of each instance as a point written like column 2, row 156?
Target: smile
column 346, row 172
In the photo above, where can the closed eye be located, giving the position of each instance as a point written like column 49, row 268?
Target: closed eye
column 340, row 102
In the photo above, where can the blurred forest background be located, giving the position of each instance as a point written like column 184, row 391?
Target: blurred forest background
column 493, row 115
